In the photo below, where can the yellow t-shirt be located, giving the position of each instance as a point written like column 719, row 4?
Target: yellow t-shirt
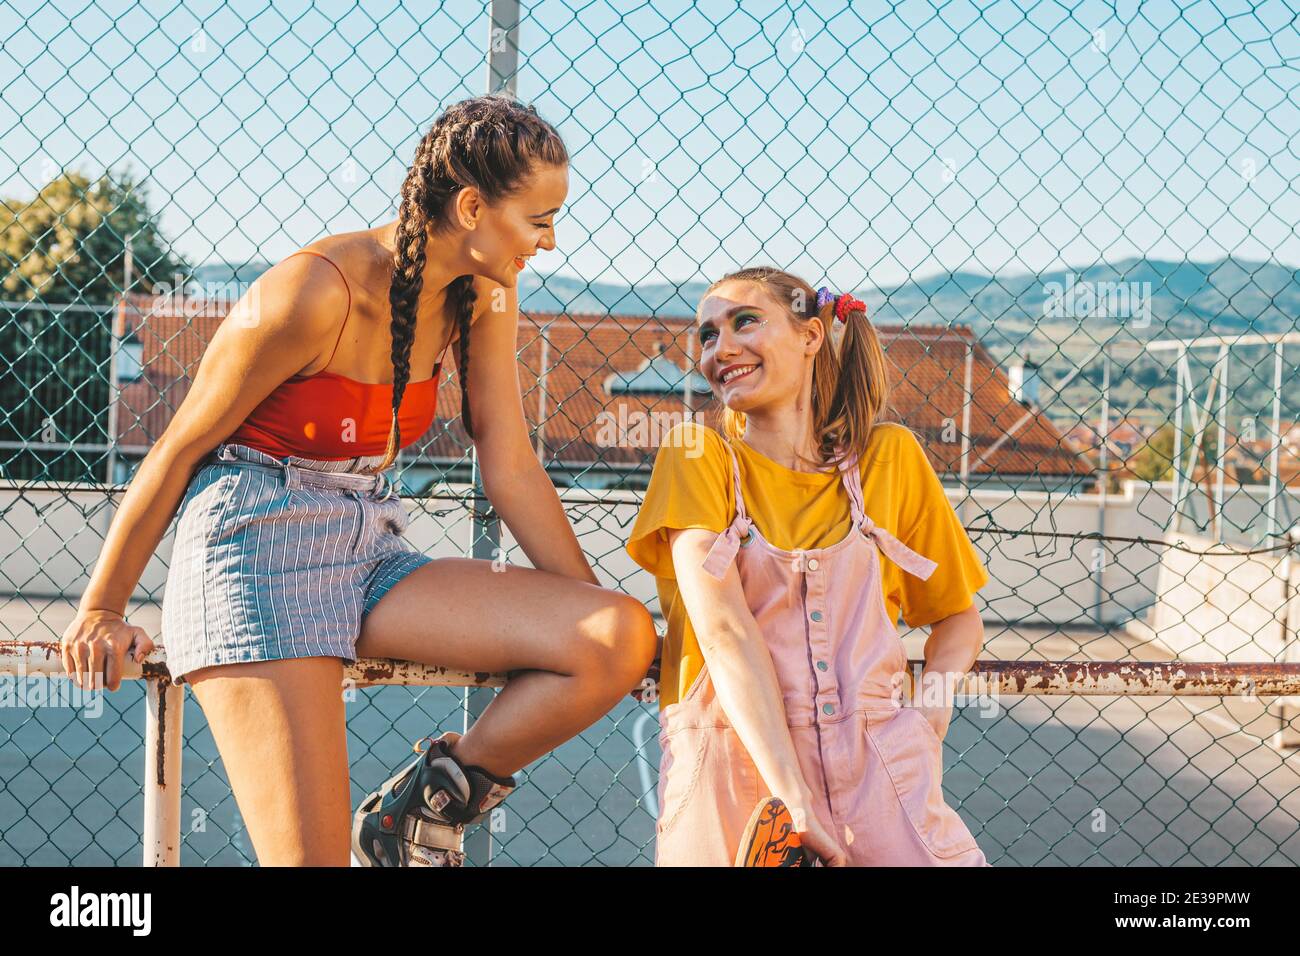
column 800, row 510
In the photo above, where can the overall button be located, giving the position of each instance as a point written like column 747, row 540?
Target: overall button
column 813, row 564
column 821, row 665
column 828, row 708
column 816, row 616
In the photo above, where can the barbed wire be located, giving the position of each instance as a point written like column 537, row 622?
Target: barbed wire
column 463, row 505
column 973, row 529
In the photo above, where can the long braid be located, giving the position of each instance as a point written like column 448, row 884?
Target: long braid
column 463, row 299
column 409, row 256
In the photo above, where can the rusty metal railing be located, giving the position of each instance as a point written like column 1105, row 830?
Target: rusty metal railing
column 161, row 828
column 164, row 709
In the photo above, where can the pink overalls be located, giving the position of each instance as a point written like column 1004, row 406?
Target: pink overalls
column 875, row 767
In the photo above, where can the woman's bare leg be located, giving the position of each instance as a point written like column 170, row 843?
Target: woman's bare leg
column 582, row 647
column 279, row 726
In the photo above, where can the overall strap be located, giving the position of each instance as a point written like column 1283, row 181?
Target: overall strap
column 903, row 556
column 849, row 474
column 728, row 542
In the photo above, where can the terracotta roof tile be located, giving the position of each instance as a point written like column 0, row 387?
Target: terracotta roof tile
column 563, row 401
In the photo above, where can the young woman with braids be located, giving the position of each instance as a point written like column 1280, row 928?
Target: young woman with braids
column 289, row 557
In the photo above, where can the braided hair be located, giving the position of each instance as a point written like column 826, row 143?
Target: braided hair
column 490, row 142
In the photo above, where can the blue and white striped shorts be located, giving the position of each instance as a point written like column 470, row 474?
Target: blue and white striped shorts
column 280, row 558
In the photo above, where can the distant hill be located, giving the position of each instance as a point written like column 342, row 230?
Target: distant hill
column 554, row 293
column 1044, row 316
column 1226, row 297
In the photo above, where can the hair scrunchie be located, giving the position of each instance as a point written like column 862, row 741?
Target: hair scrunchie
column 844, row 304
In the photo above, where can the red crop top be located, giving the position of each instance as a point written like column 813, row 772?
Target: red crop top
column 331, row 417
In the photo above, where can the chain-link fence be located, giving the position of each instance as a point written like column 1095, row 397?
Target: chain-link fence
column 1071, row 225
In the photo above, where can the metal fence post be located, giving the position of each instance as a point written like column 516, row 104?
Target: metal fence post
column 503, row 47
column 1103, row 491
column 485, row 546
column 164, row 709
column 968, row 399
column 503, row 66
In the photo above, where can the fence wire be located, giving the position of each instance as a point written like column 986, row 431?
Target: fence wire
column 1071, row 225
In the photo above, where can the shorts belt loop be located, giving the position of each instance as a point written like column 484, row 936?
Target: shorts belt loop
column 290, row 475
column 226, row 453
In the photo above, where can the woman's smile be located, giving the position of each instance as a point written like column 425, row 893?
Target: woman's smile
column 732, row 373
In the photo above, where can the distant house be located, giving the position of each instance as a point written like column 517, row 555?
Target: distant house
column 600, row 391
column 1125, row 437
column 1244, row 461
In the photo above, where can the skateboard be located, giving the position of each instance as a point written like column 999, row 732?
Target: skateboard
column 770, row 839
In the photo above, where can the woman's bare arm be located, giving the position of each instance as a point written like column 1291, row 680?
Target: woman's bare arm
column 744, row 677
column 739, row 663
column 950, row 652
column 513, row 479
column 275, row 330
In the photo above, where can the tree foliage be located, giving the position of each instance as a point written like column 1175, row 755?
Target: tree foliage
column 67, row 246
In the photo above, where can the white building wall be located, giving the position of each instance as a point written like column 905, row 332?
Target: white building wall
column 50, row 540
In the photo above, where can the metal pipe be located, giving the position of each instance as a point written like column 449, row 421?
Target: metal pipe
column 485, row 545
column 1221, row 451
column 163, row 743
column 1274, row 452
column 20, row 658
column 1176, row 491
column 503, row 47
column 1140, row 678
column 968, row 399
column 1103, row 461
column 541, row 397
column 116, row 328
column 1051, row 678
column 115, row 336
column 1207, row 341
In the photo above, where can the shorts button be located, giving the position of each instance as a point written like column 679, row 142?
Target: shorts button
column 821, row 665
column 816, row 615
column 813, row 564
column 828, row 708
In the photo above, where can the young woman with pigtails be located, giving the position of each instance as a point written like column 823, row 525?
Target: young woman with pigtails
column 784, row 554
column 289, row 558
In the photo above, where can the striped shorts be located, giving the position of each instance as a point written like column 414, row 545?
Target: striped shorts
column 280, row 558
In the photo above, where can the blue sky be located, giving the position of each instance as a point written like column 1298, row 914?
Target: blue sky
column 858, row 145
